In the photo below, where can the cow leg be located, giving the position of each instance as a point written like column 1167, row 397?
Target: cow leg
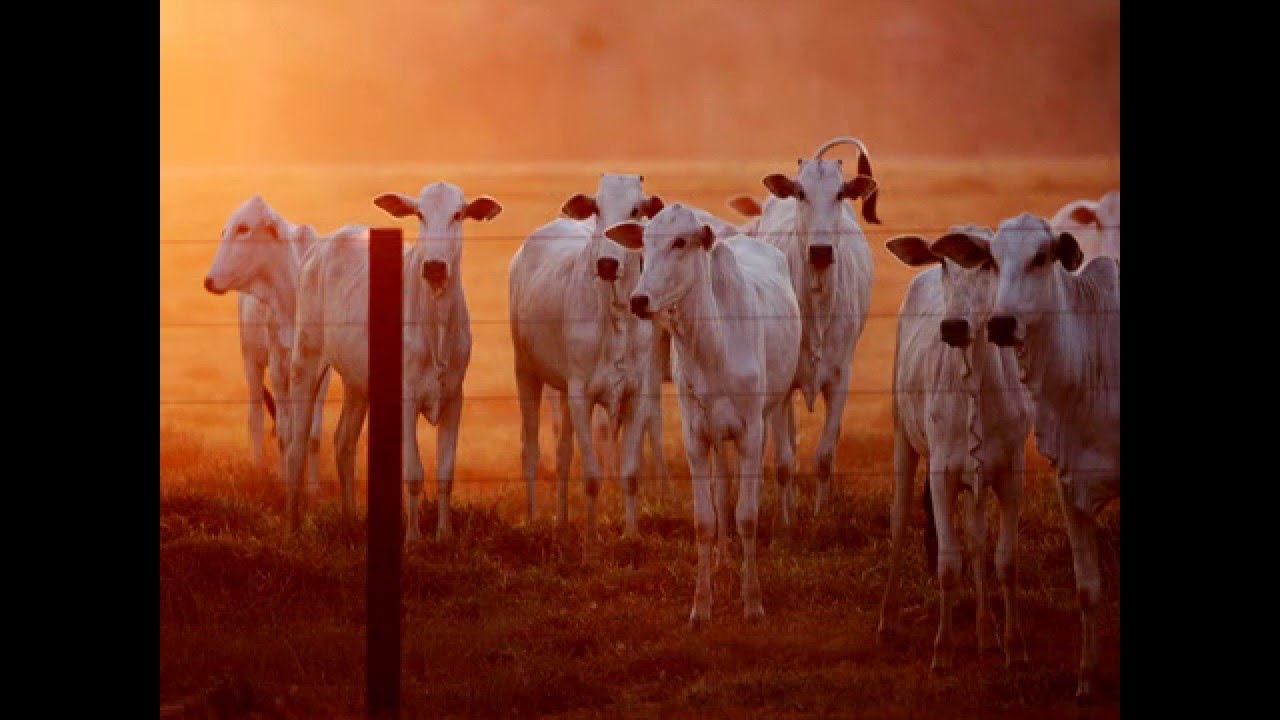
column 529, row 393
column 355, row 404
column 304, row 374
column 564, row 458
column 720, row 473
column 1008, row 487
column 651, row 402
column 944, row 488
column 317, row 427
column 580, row 408
column 795, row 447
column 253, row 377
column 905, row 461
column 414, row 474
column 698, row 453
column 976, row 504
column 1082, row 532
column 784, row 462
column 446, row 452
column 834, row 396
column 750, row 457
column 278, row 369
column 634, row 421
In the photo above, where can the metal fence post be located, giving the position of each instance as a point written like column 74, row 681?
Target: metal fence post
column 386, row 338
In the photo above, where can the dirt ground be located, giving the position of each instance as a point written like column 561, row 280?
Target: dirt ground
column 510, row 620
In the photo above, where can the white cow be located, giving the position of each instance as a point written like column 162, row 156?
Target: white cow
column 958, row 403
column 733, row 317
column 570, row 328
column 259, row 256
column 1066, row 329
column 830, row 263
column 1094, row 224
column 333, row 331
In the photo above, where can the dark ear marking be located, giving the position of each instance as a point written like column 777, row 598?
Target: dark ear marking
column 1067, row 251
column 706, row 237
column 912, row 250
column 579, row 207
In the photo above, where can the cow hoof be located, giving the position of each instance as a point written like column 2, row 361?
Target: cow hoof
column 1017, row 664
column 754, row 615
column 940, row 666
column 444, row 534
column 699, row 620
column 1085, row 694
column 886, row 635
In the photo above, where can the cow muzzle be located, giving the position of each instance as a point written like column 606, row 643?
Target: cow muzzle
column 1002, row 330
column 640, row 307
column 956, row 333
column 821, row 256
column 607, row 269
column 436, row 273
column 212, row 287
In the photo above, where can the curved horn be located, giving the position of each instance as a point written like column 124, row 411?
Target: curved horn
column 864, row 168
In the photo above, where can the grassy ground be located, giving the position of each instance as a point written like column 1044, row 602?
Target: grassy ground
column 510, row 620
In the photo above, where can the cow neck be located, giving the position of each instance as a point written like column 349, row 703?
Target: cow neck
column 429, row 313
column 700, row 331
column 280, row 291
column 612, row 351
column 816, row 300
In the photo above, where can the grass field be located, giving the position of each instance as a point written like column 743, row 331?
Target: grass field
column 511, row 620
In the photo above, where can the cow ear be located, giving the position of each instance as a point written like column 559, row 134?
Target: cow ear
column 858, row 188
column 780, row 185
column 967, row 251
column 912, row 250
column 745, row 205
column 652, row 206
column 1084, row 215
column 397, row 205
column 579, row 207
column 483, row 208
column 706, row 237
column 628, row 234
column 1067, row 251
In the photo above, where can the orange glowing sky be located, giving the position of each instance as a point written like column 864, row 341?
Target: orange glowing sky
column 285, row 81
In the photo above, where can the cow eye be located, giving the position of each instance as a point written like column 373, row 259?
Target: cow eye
column 1039, row 259
column 635, row 213
column 457, row 216
column 641, row 263
column 242, row 229
column 799, row 194
column 989, row 264
column 679, row 243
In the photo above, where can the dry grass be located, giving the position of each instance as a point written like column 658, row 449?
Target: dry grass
column 511, row 619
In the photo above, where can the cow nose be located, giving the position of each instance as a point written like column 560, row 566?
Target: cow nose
column 640, row 306
column 1000, row 330
column 210, row 287
column 820, row 256
column 607, row 269
column 435, row 272
column 955, row 333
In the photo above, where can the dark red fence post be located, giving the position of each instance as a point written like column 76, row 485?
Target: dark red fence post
column 386, row 338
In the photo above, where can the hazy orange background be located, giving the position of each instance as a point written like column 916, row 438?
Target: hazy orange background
column 271, row 81
column 973, row 112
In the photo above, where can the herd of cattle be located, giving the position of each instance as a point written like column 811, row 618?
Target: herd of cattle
column 1012, row 331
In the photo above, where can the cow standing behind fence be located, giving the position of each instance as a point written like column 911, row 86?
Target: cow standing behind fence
column 333, row 331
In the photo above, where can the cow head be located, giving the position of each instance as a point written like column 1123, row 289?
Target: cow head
column 820, row 190
column 968, row 293
column 441, row 210
column 675, row 244
column 618, row 198
column 253, row 245
column 1026, row 255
